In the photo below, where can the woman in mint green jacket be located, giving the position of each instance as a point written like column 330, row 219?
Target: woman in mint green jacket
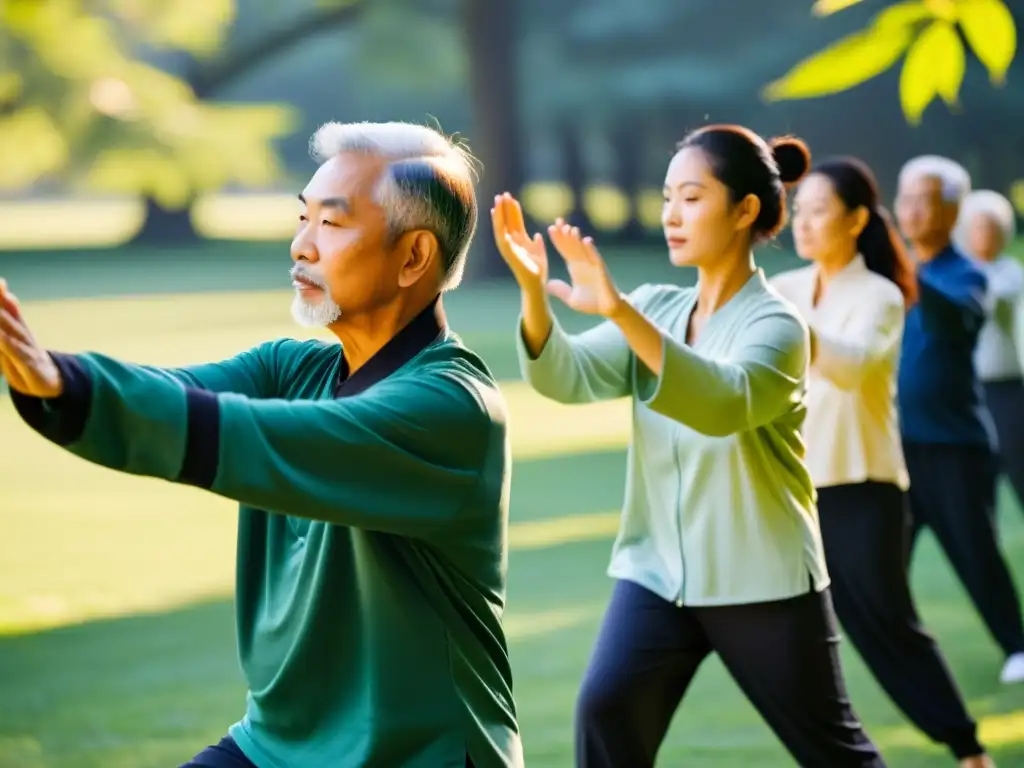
column 719, row 548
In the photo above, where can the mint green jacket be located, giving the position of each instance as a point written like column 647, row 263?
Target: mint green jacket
column 719, row 507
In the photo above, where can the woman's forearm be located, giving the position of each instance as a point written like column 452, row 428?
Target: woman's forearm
column 537, row 321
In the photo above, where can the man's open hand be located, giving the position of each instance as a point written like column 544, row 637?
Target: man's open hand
column 28, row 368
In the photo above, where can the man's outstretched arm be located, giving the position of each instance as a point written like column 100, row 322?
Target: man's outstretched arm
column 403, row 460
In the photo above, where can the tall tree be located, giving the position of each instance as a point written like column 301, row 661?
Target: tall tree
column 99, row 117
column 207, row 77
column 491, row 32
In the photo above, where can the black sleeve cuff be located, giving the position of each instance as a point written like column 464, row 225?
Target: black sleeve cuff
column 202, row 441
column 60, row 419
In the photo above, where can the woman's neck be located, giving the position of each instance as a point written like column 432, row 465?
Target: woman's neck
column 718, row 283
column 829, row 267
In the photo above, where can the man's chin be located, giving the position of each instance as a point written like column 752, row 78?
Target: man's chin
column 314, row 314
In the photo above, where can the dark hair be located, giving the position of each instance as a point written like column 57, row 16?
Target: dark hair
column 879, row 244
column 749, row 165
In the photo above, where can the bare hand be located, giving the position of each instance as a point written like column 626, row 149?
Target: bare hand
column 592, row 291
column 526, row 256
column 28, row 368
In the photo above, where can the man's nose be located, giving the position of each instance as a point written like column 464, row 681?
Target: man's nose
column 304, row 248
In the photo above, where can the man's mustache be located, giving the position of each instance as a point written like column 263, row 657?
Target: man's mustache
column 299, row 272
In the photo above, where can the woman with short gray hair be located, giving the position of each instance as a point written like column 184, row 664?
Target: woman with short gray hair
column 986, row 226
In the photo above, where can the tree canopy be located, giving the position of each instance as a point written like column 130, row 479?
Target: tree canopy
column 83, row 106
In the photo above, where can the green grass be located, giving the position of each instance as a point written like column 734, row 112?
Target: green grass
column 116, row 639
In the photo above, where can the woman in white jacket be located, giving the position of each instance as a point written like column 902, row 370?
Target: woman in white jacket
column 986, row 225
column 854, row 296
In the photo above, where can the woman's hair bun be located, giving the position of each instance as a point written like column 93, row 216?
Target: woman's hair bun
column 792, row 156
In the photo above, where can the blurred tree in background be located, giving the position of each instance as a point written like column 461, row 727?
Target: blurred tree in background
column 84, row 107
column 573, row 104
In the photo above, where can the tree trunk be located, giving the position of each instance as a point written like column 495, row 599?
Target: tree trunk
column 175, row 226
column 165, row 226
column 575, row 175
column 629, row 177
column 491, row 38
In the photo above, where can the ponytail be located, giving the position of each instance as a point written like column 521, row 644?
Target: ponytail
column 885, row 255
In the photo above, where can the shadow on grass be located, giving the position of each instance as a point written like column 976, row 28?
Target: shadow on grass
column 149, row 691
column 130, row 692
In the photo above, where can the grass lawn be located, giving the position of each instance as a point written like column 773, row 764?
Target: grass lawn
column 116, row 641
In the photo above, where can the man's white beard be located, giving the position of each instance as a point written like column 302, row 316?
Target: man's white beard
column 315, row 314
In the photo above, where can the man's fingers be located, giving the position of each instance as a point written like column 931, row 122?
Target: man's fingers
column 17, row 352
column 13, row 327
column 10, row 303
column 13, row 363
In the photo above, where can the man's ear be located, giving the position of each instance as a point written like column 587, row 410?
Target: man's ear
column 420, row 253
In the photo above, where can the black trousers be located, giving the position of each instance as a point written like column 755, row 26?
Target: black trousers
column 783, row 654
column 226, row 754
column 953, row 492
column 864, row 527
column 1006, row 404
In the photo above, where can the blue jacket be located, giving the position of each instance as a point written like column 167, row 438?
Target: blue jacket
column 939, row 394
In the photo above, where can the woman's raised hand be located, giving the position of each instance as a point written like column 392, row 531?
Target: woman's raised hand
column 591, row 289
column 526, row 256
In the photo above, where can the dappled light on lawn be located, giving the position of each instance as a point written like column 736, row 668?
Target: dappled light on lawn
column 116, row 642
column 83, row 223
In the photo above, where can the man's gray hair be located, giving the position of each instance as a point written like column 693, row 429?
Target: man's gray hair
column 955, row 180
column 428, row 183
column 985, row 202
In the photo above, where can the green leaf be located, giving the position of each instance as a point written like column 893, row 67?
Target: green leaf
column 942, row 9
column 843, row 65
column 989, row 28
column 950, row 64
column 902, row 15
column 934, row 67
column 828, row 7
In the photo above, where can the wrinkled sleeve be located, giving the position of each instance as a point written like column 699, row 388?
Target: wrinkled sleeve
column 847, row 360
column 402, row 461
column 761, row 381
column 953, row 308
column 582, row 368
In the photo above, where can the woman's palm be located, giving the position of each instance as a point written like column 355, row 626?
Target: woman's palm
column 591, row 289
column 525, row 256
column 587, row 288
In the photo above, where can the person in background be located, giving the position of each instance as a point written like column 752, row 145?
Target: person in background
column 719, row 549
column 948, row 437
column 372, row 474
column 854, row 296
column 986, row 226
